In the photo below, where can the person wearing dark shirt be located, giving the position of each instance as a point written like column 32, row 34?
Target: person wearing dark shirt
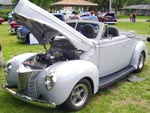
column 133, row 17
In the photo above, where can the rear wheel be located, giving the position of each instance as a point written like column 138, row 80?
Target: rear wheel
column 79, row 96
column 141, row 62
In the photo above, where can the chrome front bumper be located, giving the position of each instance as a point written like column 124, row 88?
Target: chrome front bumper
column 29, row 99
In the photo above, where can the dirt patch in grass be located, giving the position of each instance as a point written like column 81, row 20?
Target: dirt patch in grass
column 129, row 101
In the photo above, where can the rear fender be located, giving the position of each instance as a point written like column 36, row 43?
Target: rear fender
column 12, row 66
column 139, row 48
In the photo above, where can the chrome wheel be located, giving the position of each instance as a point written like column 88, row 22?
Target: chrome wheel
column 141, row 62
column 79, row 94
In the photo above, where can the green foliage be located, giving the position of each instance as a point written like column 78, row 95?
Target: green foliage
column 4, row 13
column 45, row 4
column 129, row 26
column 118, row 4
column 103, row 4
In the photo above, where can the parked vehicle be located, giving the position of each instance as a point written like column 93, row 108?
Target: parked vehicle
column 10, row 17
column 23, row 34
column 83, row 58
column 1, row 20
column 13, row 26
column 88, row 16
column 109, row 18
column 85, row 16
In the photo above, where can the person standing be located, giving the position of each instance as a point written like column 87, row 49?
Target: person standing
column 130, row 17
column 134, row 17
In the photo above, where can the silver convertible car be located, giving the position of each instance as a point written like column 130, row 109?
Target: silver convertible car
column 84, row 56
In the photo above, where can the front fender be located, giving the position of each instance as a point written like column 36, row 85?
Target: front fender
column 12, row 66
column 139, row 48
column 68, row 73
column 21, row 58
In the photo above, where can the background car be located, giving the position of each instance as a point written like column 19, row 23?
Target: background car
column 23, row 34
column 109, row 17
column 88, row 16
column 85, row 16
column 10, row 17
column 1, row 20
column 13, row 26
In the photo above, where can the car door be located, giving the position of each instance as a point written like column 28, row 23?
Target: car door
column 115, row 54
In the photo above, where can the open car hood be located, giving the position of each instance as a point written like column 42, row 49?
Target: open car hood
column 45, row 26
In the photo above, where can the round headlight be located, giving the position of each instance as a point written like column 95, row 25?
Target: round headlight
column 50, row 79
column 7, row 68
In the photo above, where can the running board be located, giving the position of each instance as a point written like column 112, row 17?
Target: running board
column 110, row 79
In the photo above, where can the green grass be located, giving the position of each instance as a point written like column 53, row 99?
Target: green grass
column 11, row 46
column 121, row 16
column 138, row 27
column 122, row 97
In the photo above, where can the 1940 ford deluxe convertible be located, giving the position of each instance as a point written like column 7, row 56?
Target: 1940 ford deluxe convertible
column 84, row 57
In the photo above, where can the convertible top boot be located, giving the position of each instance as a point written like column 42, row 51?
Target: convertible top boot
column 1, row 57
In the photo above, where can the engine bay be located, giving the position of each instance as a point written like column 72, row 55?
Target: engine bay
column 60, row 50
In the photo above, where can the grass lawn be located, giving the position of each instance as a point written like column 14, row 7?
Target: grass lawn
column 141, row 28
column 127, row 16
column 122, row 97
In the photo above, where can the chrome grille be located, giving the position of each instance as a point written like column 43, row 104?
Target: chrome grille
column 27, row 83
column 23, row 80
column 32, row 85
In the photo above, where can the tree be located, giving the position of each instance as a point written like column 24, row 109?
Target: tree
column 118, row 4
column 42, row 3
column 103, row 4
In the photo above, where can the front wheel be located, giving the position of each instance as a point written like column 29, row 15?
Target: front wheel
column 141, row 62
column 79, row 96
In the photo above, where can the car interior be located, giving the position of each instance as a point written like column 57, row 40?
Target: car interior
column 111, row 32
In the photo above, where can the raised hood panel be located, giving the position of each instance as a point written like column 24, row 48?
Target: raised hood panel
column 45, row 26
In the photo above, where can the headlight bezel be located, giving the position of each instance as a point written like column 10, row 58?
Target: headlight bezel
column 7, row 68
column 50, row 79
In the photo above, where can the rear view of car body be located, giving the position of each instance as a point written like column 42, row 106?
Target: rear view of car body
column 13, row 26
column 108, row 18
column 1, row 20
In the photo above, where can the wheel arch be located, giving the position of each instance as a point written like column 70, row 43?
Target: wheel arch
column 91, row 83
column 139, row 48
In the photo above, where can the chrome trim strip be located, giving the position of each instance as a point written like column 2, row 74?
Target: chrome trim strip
column 30, row 100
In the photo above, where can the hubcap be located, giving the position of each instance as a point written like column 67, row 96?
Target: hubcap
column 141, row 61
column 79, row 95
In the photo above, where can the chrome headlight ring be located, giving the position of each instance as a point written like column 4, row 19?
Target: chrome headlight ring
column 7, row 68
column 50, row 79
